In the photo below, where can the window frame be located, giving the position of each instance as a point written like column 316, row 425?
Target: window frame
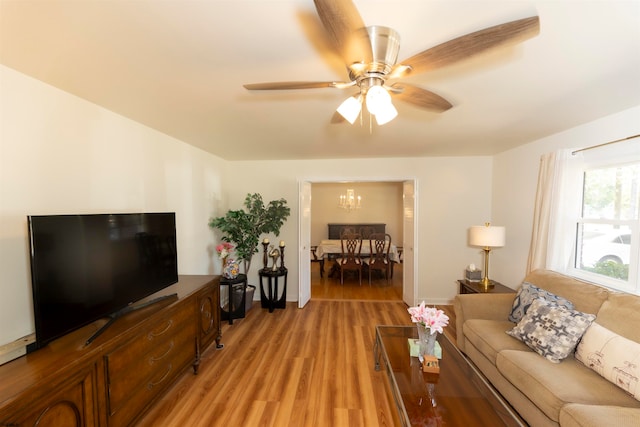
column 612, row 158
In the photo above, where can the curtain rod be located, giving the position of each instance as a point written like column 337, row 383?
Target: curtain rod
column 606, row 143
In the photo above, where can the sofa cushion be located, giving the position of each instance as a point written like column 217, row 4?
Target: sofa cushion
column 489, row 337
column 552, row 385
column 614, row 357
column 585, row 297
column 619, row 307
column 552, row 331
column 528, row 293
column 577, row 415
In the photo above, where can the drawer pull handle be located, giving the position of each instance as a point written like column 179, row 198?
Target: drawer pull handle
column 166, row 374
column 154, row 359
column 152, row 334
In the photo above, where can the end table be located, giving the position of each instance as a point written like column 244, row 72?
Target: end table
column 269, row 297
column 467, row 287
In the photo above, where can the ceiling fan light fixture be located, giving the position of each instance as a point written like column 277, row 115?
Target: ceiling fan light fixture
column 377, row 99
column 350, row 108
column 370, row 54
column 386, row 114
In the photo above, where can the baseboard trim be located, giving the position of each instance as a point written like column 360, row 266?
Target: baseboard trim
column 15, row 349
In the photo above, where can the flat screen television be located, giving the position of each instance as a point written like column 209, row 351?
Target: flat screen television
column 88, row 267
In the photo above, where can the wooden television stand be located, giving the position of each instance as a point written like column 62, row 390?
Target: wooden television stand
column 117, row 377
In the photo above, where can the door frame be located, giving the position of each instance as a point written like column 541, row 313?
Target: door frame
column 304, row 236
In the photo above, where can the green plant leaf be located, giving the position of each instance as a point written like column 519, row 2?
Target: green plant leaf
column 243, row 228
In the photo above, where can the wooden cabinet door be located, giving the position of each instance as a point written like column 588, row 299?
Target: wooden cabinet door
column 207, row 323
column 72, row 404
column 209, row 316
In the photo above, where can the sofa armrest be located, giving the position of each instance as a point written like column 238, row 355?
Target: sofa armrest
column 480, row 306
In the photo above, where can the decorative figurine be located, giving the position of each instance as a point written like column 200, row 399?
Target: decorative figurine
column 274, row 253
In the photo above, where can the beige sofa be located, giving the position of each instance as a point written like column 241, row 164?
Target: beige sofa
column 545, row 393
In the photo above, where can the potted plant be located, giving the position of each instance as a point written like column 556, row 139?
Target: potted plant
column 244, row 227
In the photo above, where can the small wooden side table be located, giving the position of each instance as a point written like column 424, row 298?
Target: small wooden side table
column 467, row 287
column 269, row 297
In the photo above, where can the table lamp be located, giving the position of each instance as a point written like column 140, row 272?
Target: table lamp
column 487, row 237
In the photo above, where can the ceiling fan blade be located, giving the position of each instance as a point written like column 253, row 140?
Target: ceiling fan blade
column 293, row 85
column 468, row 45
column 343, row 22
column 419, row 97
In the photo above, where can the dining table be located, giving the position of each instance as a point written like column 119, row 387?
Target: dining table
column 330, row 247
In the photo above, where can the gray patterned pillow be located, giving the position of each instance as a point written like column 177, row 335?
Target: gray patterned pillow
column 527, row 293
column 551, row 330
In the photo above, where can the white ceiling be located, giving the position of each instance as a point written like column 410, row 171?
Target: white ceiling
column 178, row 66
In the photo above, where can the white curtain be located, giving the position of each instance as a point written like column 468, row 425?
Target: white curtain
column 556, row 208
column 542, row 208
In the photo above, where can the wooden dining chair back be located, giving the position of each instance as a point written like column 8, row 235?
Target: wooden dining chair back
column 315, row 258
column 350, row 257
column 379, row 247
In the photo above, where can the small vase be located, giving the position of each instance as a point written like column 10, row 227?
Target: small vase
column 427, row 340
column 230, row 269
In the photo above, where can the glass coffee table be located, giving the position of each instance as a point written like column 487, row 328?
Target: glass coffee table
column 458, row 396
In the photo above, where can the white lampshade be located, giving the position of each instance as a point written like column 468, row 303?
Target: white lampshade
column 487, row 236
column 386, row 114
column 350, row 109
column 377, row 99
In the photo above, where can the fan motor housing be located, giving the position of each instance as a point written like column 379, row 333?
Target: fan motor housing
column 385, row 46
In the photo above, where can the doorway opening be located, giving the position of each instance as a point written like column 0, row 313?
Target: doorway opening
column 391, row 202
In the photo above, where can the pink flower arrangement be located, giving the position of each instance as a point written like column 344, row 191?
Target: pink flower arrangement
column 430, row 317
column 224, row 249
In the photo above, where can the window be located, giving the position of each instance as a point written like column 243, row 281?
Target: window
column 606, row 237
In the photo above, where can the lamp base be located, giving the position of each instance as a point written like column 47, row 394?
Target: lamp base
column 486, row 284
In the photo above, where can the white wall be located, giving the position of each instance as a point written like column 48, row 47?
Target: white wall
column 61, row 154
column 515, row 175
column 381, row 203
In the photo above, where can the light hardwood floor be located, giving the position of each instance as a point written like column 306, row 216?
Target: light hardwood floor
column 379, row 290
column 293, row 367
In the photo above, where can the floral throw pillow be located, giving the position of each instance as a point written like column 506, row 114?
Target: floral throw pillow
column 551, row 330
column 527, row 293
column 614, row 357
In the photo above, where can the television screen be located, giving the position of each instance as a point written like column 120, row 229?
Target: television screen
column 86, row 267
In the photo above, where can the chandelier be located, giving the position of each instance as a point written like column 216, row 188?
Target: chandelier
column 350, row 201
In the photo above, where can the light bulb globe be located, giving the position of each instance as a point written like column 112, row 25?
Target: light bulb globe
column 350, row 109
column 377, row 99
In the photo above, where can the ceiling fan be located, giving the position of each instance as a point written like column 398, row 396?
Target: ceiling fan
column 370, row 55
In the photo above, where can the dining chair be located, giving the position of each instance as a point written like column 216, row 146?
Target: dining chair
column 314, row 258
column 350, row 260
column 380, row 245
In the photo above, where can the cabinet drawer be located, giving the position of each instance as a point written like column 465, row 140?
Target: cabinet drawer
column 147, row 368
column 160, row 333
column 139, row 398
